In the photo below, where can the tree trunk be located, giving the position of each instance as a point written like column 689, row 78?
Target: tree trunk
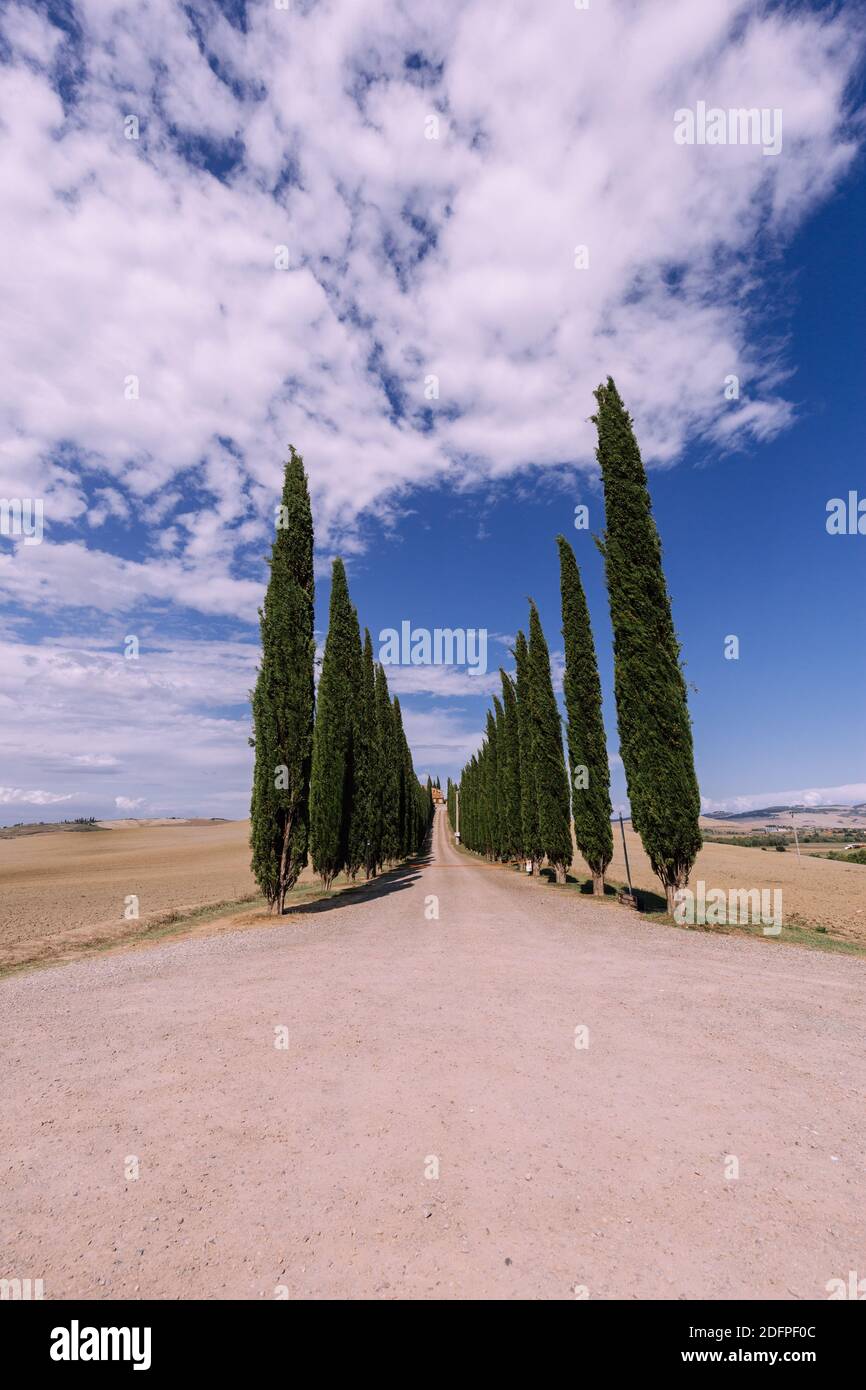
column 287, row 830
column 536, row 868
column 598, row 885
column 670, row 891
column 559, row 870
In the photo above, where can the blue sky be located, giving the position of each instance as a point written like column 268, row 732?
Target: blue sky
column 408, row 257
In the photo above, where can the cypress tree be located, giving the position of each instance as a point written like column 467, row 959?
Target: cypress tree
column 510, row 743
column 587, row 746
column 531, row 844
column 362, row 758
column 655, row 734
column 283, row 698
column 389, row 785
column 331, row 787
column 404, row 788
column 551, row 782
column 502, row 850
column 491, row 791
column 373, row 849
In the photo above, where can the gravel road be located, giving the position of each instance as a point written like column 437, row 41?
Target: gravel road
column 417, row 1045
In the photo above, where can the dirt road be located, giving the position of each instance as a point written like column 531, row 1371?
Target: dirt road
column 416, row 1044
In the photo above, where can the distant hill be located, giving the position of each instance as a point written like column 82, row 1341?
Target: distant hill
column 777, row 817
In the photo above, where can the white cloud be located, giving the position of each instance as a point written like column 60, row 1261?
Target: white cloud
column 168, row 730
column 11, row 796
column 407, row 257
column 852, row 794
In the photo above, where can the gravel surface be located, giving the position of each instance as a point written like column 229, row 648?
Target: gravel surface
column 417, row 1045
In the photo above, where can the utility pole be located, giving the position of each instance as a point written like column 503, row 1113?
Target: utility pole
column 625, row 852
column 796, row 841
column 457, row 807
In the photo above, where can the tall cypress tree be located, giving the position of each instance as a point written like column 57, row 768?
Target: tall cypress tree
column 510, row 744
column 502, row 840
column 373, row 852
column 531, row 841
column 547, row 757
column 404, row 788
column 491, row 789
column 283, row 699
column 587, row 746
column 389, row 784
column 655, row 734
column 361, row 764
column 331, row 787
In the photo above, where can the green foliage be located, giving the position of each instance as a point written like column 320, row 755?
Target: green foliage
column 361, row 758
column 389, row 775
column 587, row 745
column 332, row 785
column 509, row 744
column 854, row 856
column 652, row 714
column 372, row 858
column 531, row 843
column 491, row 789
column 283, row 699
column 548, row 762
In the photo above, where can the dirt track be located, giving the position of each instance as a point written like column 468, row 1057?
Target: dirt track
column 304, row 1169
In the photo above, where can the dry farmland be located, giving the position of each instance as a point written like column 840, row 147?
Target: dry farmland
column 60, row 892
column 815, row 892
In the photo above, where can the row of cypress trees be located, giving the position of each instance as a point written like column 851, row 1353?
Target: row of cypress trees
column 514, row 802
column 333, row 776
column 521, row 764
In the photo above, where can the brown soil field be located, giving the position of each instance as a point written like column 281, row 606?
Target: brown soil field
column 815, row 892
column 59, row 891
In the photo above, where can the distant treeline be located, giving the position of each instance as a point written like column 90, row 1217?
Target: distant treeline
column 854, row 856
column 783, row 837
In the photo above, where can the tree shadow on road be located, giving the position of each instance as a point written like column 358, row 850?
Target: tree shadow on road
column 392, row 881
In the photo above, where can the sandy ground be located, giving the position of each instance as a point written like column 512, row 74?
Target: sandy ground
column 416, row 1043
column 815, row 892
